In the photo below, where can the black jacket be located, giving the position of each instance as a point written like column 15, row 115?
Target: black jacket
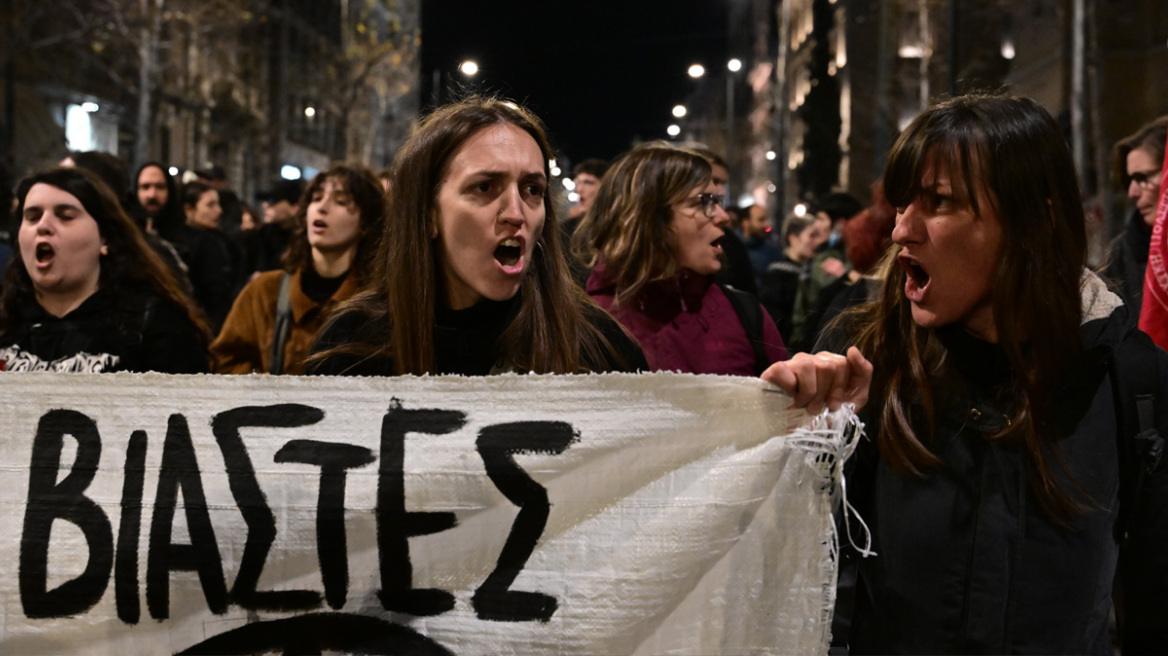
column 1127, row 261
column 966, row 559
column 464, row 342
column 108, row 332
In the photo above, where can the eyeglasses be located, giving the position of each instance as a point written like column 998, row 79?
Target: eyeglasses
column 1144, row 179
column 710, row 204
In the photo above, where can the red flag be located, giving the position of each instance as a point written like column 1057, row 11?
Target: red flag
column 1154, row 311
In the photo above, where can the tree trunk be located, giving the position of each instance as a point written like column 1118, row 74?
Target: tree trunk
column 147, row 54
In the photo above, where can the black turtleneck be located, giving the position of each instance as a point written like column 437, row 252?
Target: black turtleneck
column 466, row 341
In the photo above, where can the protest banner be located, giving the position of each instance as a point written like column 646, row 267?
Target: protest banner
column 613, row 514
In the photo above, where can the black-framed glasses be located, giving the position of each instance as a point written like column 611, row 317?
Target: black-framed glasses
column 710, row 204
column 1144, row 179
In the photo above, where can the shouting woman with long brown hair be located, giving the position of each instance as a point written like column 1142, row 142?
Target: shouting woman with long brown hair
column 470, row 278
column 1006, row 478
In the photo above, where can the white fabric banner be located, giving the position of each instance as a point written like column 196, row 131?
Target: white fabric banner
column 613, row 514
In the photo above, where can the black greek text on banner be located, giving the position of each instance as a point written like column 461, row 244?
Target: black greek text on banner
column 603, row 514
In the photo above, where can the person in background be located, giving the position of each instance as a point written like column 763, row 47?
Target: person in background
column 784, row 278
column 266, row 247
column 1005, row 479
column 735, row 271
column 1138, row 161
column 652, row 239
column 85, row 293
column 470, row 278
column 337, row 223
column 213, row 265
column 756, row 237
column 586, row 176
column 231, row 207
column 831, row 261
column 867, row 236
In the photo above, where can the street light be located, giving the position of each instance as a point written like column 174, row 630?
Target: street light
column 673, row 130
column 679, row 111
column 469, row 68
column 696, row 71
column 310, row 111
column 734, row 65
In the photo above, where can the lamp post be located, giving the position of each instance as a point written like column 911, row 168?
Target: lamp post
column 732, row 67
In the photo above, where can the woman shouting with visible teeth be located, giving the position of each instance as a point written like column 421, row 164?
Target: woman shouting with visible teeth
column 653, row 238
column 86, row 293
column 470, row 277
column 1015, row 415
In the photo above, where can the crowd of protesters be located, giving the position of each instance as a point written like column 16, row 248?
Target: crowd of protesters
column 998, row 486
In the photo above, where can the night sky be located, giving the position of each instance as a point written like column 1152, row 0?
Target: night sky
column 600, row 73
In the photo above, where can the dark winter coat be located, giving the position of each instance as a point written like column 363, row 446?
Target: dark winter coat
column 465, row 342
column 687, row 324
column 966, row 560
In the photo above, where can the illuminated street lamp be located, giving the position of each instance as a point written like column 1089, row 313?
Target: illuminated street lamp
column 310, row 111
column 734, row 65
column 696, row 70
column 673, row 130
column 469, row 68
column 679, row 111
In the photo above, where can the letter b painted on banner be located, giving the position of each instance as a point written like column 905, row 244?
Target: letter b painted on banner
column 48, row 501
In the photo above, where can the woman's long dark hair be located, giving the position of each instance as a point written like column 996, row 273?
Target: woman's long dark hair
column 130, row 264
column 368, row 196
column 1011, row 151
column 550, row 334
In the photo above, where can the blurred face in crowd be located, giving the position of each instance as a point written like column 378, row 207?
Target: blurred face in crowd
column 1143, row 172
column 950, row 255
column 823, row 227
column 152, row 190
column 696, row 234
column 490, row 213
column 720, row 177
column 206, row 212
column 61, row 247
column 801, row 246
column 757, row 222
column 334, row 221
column 280, row 211
column 586, row 187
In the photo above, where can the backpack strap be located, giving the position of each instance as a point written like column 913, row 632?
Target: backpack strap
column 1135, row 380
column 283, row 324
column 751, row 317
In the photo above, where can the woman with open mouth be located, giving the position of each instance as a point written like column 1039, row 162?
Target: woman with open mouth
column 1018, row 414
column 339, row 219
column 652, row 238
column 470, row 278
column 86, row 293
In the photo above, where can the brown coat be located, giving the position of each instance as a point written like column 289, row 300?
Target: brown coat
column 245, row 343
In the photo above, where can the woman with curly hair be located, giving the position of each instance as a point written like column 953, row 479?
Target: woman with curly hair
column 85, row 293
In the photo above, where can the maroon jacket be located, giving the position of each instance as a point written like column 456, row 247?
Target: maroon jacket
column 687, row 324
